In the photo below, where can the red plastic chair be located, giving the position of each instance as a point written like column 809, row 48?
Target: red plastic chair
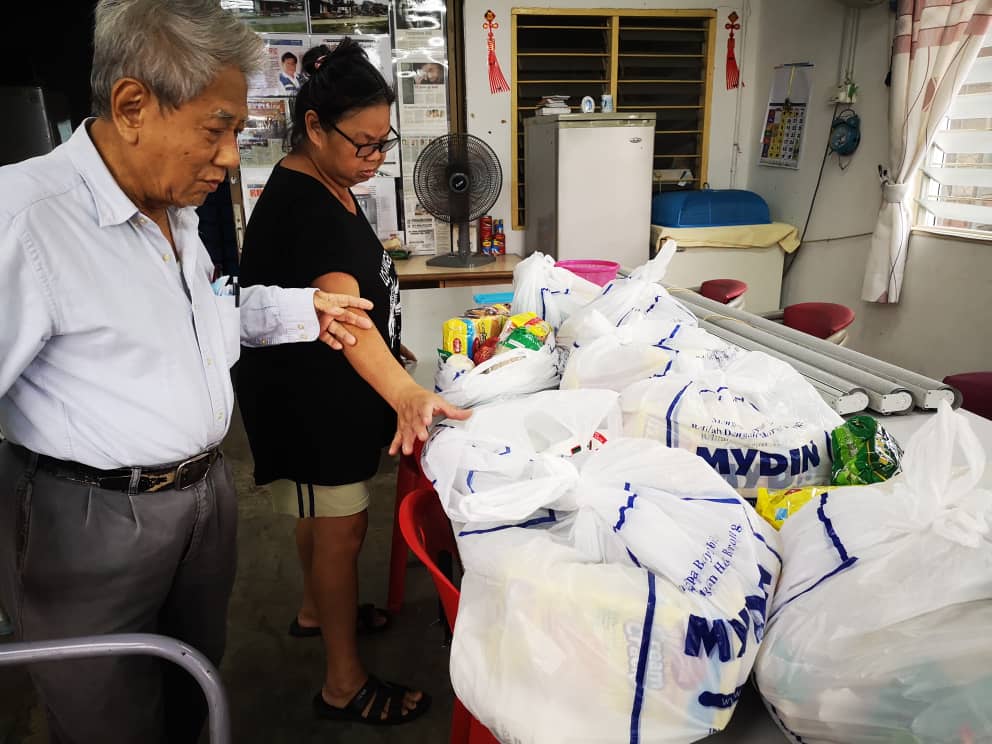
column 427, row 532
column 408, row 477
column 826, row 320
column 728, row 292
column 976, row 391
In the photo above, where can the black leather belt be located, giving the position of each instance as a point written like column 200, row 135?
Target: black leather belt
column 179, row 476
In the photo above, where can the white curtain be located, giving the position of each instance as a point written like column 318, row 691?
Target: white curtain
column 936, row 43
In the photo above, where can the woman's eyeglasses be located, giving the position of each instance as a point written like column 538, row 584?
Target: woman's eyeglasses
column 364, row 150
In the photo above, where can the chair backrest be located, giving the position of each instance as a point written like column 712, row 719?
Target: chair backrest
column 820, row 319
column 428, row 534
column 976, row 391
column 724, row 291
column 409, row 475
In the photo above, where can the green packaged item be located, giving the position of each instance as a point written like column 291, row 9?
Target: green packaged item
column 521, row 338
column 863, row 453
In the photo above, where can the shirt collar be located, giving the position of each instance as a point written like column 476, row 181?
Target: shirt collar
column 113, row 207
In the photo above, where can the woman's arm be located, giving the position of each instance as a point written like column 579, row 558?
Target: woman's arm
column 372, row 359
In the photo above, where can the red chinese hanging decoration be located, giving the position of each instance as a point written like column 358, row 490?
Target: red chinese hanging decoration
column 497, row 83
column 733, row 71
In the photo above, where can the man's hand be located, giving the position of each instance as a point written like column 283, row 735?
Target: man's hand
column 334, row 317
column 414, row 412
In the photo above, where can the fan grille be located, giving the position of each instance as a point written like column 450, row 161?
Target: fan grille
column 437, row 178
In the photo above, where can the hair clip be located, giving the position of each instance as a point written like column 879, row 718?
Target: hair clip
column 319, row 62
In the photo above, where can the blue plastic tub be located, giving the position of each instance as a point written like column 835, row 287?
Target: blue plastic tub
column 709, row 208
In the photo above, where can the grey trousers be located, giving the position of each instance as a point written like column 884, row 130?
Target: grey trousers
column 77, row 560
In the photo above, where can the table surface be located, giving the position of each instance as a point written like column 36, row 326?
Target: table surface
column 414, row 271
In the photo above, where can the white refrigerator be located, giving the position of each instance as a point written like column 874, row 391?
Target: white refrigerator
column 588, row 184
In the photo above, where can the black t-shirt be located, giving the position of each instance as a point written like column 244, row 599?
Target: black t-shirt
column 308, row 415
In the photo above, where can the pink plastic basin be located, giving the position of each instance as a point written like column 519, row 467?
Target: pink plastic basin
column 597, row 272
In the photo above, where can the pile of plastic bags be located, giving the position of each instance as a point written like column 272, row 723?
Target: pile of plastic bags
column 618, row 585
column 611, row 584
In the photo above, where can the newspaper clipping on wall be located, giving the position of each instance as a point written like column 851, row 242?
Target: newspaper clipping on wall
column 422, row 91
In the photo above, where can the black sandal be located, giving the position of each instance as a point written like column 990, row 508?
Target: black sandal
column 380, row 694
column 366, row 623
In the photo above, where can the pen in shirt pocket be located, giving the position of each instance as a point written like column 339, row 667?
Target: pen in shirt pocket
column 236, row 289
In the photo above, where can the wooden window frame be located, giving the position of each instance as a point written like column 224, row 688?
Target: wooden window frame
column 614, row 15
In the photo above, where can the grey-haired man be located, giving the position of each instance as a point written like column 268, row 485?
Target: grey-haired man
column 117, row 509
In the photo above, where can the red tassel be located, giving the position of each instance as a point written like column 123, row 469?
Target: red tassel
column 733, row 71
column 497, row 83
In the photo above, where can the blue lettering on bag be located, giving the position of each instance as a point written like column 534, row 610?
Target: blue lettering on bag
column 720, row 699
column 701, row 635
column 739, row 462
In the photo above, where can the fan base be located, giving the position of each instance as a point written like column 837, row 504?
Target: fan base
column 455, row 261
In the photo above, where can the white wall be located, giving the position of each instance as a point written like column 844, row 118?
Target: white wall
column 489, row 115
column 940, row 325
column 848, row 200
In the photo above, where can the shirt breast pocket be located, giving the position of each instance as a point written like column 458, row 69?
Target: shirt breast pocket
column 230, row 327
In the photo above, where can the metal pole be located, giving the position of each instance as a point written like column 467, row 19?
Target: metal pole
column 124, row 644
column 884, row 395
column 926, row 391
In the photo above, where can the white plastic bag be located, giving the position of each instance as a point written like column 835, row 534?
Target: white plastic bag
column 880, row 629
column 640, row 293
column 757, row 422
column 509, row 374
column 635, row 617
column 506, row 461
column 548, row 290
column 607, row 356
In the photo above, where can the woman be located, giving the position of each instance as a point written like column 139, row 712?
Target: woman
column 307, row 230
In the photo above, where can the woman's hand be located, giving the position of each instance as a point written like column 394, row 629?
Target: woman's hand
column 334, row 317
column 406, row 356
column 414, row 411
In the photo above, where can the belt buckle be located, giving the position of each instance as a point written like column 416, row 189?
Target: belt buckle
column 187, row 476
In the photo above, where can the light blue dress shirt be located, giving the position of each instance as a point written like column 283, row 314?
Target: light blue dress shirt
column 104, row 359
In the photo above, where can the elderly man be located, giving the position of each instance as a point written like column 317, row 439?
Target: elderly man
column 117, row 509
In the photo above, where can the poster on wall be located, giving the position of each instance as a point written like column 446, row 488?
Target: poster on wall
column 349, row 17
column 283, row 70
column 421, row 64
column 377, row 199
column 785, row 116
column 265, row 138
column 252, row 183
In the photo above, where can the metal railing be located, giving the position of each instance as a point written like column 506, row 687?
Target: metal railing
column 126, row 644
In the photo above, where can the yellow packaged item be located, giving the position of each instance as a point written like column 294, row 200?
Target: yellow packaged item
column 775, row 506
column 458, row 335
column 488, row 326
column 465, row 335
column 518, row 321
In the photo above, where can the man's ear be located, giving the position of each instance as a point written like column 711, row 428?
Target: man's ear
column 130, row 101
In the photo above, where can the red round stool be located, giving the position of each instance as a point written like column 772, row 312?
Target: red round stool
column 826, row 320
column 976, row 391
column 725, row 291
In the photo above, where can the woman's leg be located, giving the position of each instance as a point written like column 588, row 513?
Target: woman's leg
column 336, row 542
column 307, row 616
